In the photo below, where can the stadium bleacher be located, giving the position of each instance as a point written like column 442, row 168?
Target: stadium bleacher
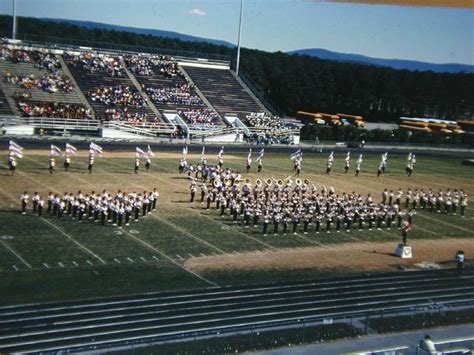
column 89, row 80
column 223, row 91
column 5, row 108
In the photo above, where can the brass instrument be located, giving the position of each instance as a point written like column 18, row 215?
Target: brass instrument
column 269, row 182
column 298, row 182
column 258, row 182
column 306, row 182
column 247, row 181
column 280, row 183
column 217, row 183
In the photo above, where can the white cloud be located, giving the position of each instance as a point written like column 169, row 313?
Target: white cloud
column 197, row 12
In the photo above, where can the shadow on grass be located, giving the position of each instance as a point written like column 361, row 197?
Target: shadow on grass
column 379, row 252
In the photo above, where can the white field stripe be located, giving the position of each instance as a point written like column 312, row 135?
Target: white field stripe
column 74, row 241
column 165, row 221
column 151, row 247
column 64, row 233
column 16, row 254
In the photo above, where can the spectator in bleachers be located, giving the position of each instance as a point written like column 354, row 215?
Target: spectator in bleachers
column 42, row 59
column 50, row 83
column 153, row 65
column 177, row 95
column 97, row 63
column 201, row 116
column 53, row 110
column 262, row 120
column 125, row 115
column 122, row 95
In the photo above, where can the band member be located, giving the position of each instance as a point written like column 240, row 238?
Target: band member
column 406, row 228
column 459, row 261
column 156, row 195
column 67, row 163
column 147, row 164
column 249, row 160
column 35, row 200
column 348, row 159
column 40, row 206
column 276, row 222
column 193, row 190
column 137, row 165
column 203, row 192
column 298, row 167
column 11, row 163
column 266, row 220
column 51, row 164
column 91, row 163
column 24, row 201
column 259, row 168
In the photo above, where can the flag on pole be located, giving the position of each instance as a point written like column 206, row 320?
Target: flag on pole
column 12, row 144
column 55, row 151
column 296, row 155
column 140, row 153
column 95, row 149
column 149, row 152
column 70, row 149
column 249, row 157
column 331, row 157
column 348, row 156
column 260, row 155
column 15, row 149
column 185, row 151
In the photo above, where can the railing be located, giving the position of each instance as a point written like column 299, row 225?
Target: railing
column 52, row 123
column 73, row 44
column 149, row 129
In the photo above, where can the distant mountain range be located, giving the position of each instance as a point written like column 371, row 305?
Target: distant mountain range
column 144, row 31
column 392, row 63
column 313, row 52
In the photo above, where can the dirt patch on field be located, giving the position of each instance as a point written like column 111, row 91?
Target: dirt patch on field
column 358, row 256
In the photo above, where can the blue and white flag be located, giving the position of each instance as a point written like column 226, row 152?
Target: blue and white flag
column 296, row 155
column 260, row 155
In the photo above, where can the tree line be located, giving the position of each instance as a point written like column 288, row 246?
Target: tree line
column 292, row 82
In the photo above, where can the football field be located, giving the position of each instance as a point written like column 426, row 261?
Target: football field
column 183, row 245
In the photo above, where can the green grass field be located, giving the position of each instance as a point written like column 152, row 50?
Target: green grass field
column 45, row 259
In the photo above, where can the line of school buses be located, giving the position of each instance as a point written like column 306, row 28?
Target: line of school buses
column 427, row 125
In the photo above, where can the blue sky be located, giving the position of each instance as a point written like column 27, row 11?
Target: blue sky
column 438, row 35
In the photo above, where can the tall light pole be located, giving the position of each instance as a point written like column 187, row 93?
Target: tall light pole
column 240, row 36
column 14, row 20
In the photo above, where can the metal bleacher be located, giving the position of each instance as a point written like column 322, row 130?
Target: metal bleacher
column 5, row 108
column 224, row 91
column 90, row 81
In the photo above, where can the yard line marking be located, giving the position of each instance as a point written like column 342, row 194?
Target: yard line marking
column 75, row 264
column 60, row 264
column 446, row 223
column 74, row 241
column 179, row 257
column 16, row 254
column 208, row 217
column 46, row 265
column 141, row 257
column 154, row 257
column 130, row 259
column 117, row 261
column 191, row 255
column 89, row 262
column 169, row 258
column 203, row 255
column 185, row 232
column 14, row 267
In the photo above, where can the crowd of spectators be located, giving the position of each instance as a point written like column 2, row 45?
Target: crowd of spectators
column 153, row 65
column 263, row 120
column 51, row 83
column 125, row 115
column 122, row 95
column 53, row 110
column 97, row 63
column 200, row 116
column 178, row 95
column 40, row 58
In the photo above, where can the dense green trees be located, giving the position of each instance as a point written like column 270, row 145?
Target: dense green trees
column 293, row 82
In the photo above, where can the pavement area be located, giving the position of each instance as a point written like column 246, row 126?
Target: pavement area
column 380, row 342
